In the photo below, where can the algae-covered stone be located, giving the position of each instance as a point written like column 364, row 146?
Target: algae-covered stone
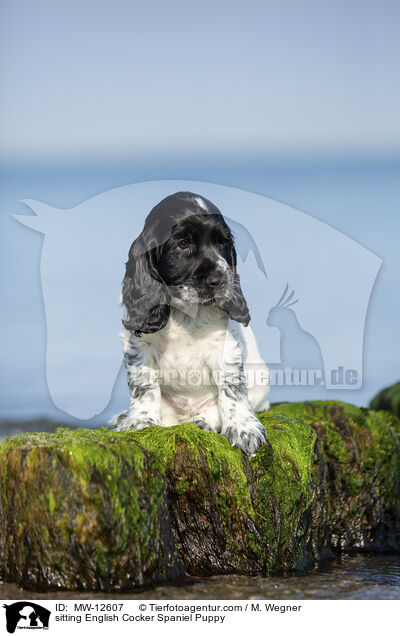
column 357, row 467
column 284, row 491
column 83, row 510
column 388, row 399
column 209, row 502
column 232, row 515
column 111, row 510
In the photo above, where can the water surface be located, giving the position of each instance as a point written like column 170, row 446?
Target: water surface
column 347, row 577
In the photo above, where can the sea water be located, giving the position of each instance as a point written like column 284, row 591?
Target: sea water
column 357, row 197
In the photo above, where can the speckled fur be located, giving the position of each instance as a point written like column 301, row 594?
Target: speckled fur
column 186, row 343
column 194, row 370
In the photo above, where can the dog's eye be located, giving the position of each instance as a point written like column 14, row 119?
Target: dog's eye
column 183, row 244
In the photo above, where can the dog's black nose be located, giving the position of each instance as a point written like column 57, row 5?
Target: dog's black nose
column 213, row 280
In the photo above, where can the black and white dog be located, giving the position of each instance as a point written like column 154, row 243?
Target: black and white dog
column 186, row 343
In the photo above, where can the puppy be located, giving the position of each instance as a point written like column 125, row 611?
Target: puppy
column 186, row 343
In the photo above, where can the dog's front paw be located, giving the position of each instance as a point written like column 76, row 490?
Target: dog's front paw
column 116, row 420
column 203, row 425
column 135, row 424
column 247, row 434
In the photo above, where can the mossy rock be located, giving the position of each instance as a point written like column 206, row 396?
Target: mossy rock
column 107, row 510
column 83, row 510
column 388, row 399
column 357, row 473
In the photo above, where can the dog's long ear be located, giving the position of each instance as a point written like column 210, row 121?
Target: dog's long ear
column 144, row 294
column 236, row 305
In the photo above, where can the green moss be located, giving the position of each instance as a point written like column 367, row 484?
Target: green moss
column 96, row 490
column 102, row 560
column 52, row 502
column 285, row 487
column 388, row 399
column 102, row 510
column 206, row 476
column 361, row 454
column 224, row 461
column 293, row 441
column 181, row 486
column 355, row 484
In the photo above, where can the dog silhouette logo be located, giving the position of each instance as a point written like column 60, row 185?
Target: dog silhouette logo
column 26, row 615
column 82, row 266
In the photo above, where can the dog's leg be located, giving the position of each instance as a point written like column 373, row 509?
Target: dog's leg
column 209, row 419
column 144, row 388
column 239, row 423
column 255, row 368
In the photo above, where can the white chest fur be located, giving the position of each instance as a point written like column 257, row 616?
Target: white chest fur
column 192, row 346
column 186, row 359
column 186, row 355
column 189, row 353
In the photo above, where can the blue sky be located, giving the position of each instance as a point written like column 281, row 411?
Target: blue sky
column 120, row 78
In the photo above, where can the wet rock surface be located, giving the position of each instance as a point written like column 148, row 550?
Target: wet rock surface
column 388, row 399
column 100, row 510
column 83, row 510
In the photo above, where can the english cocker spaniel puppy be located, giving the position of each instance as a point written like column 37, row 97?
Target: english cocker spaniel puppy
column 188, row 352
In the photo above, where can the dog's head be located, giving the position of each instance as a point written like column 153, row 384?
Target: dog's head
column 185, row 255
